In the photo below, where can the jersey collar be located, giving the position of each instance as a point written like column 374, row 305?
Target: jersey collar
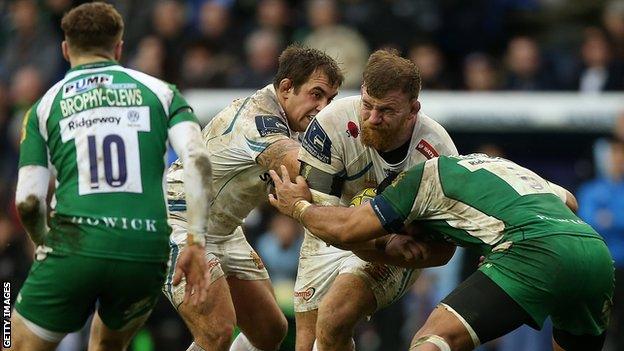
column 92, row 65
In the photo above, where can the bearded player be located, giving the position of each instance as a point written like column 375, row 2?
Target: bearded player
column 355, row 143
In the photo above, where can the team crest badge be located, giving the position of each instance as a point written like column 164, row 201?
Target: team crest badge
column 133, row 116
column 352, row 129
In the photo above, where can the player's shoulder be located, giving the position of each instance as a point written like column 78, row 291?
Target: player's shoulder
column 154, row 84
column 339, row 111
column 433, row 137
column 261, row 115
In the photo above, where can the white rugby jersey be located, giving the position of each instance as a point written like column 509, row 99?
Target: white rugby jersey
column 332, row 143
column 234, row 139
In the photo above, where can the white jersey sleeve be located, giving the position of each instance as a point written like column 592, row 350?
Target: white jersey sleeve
column 262, row 130
column 324, row 140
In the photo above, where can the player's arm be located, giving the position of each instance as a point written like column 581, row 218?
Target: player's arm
column 404, row 251
column 33, row 178
column 565, row 196
column 30, row 200
column 185, row 138
column 282, row 152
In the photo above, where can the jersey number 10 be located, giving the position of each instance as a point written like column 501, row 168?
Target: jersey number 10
column 108, row 143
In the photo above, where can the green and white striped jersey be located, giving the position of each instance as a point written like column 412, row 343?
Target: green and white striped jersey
column 102, row 130
column 477, row 200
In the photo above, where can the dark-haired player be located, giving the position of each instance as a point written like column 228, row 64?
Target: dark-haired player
column 245, row 140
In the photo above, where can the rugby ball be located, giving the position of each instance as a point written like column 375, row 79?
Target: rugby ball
column 363, row 196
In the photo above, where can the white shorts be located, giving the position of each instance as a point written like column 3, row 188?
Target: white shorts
column 319, row 265
column 231, row 257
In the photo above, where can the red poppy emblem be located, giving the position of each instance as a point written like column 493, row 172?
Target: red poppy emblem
column 352, row 129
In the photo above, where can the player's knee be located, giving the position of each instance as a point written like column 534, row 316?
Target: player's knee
column 219, row 334
column 336, row 320
column 279, row 329
column 430, row 343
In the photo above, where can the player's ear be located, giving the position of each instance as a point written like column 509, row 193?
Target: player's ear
column 415, row 108
column 65, row 50
column 285, row 85
column 118, row 50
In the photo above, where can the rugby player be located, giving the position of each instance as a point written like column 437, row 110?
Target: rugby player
column 540, row 259
column 244, row 141
column 354, row 144
column 102, row 132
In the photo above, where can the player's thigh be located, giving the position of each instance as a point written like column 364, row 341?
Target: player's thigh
column 25, row 339
column 103, row 338
column 484, row 310
column 387, row 283
column 305, row 323
column 581, row 317
column 349, row 299
column 133, row 289
column 213, row 317
column 60, row 292
column 255, row 306
column 319, row 265
column 175, row 293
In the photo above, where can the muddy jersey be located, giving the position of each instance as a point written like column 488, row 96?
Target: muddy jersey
column 332, row 144
column 234, row 139
column 103, row 131
column 477, row 200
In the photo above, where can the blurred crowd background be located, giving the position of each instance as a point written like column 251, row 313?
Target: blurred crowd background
column 478, row 45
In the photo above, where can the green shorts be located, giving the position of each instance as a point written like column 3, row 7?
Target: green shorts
column 62, row 291
column 567, row 277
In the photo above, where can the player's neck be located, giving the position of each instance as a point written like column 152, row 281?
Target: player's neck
column 88, row 59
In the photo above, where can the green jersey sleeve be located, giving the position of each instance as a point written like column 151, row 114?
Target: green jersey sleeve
column 33, row 148
column 180, row 110
column 394, row 205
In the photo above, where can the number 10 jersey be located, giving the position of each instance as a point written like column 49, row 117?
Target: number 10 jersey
column 102, row 130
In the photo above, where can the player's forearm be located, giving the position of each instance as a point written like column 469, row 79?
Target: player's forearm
column 197, row 177
column 342, row 226
column 30, row 200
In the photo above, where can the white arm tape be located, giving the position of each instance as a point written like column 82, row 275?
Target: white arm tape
column 186, row 139
column 33, row 180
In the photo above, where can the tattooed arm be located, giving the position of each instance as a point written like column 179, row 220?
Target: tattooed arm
column 282, row 152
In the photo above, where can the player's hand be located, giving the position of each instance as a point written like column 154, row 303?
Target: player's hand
column 404, row 247
column 287, row 192
column 192, row 265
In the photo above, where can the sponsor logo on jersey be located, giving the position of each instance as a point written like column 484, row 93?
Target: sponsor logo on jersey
column 267, row 124
column 426, row 149
column 317, row 142
column 305, row 294
column 89, row 122
column 81, row 85
column 352, row 129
